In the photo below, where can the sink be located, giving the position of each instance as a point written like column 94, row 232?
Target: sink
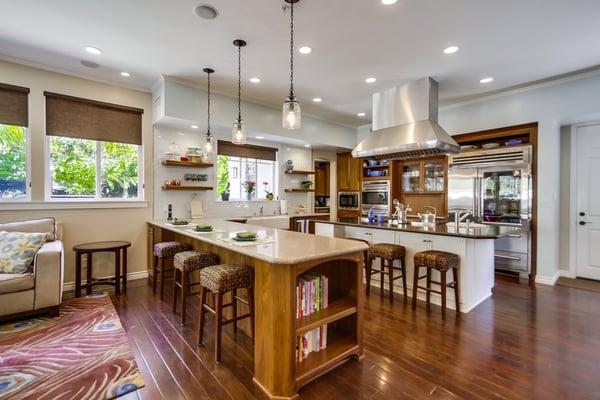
column 464, row 225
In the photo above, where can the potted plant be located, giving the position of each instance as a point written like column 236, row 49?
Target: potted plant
column 225, row 194
column 306, row 184
column 269, row 194
column 249, row 187
column 289, row 166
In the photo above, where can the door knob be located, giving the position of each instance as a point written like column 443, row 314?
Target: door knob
column 582, row 223
column 582, row 214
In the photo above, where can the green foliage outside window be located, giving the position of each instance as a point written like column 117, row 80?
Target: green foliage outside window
column 13, row 161
column 222, row 174
column 74, row 166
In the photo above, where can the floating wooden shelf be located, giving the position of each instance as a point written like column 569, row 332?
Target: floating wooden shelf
column 299, row 190
column 183, row 187
column 190, row 164
column 338, row 309
column 299, row 172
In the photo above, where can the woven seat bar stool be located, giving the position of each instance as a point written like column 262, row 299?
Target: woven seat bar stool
column 184, row 264
column 163, row 252
column 219, row 280
column 388, row 253
column 442, row 262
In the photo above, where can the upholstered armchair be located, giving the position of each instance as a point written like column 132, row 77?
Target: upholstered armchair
column 39, row 289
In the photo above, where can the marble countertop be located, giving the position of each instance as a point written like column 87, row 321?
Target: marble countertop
column 488, row 232
column 287, row 247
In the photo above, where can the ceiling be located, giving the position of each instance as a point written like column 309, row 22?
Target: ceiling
column 514, row 41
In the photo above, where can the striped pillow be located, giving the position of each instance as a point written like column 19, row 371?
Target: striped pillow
column 18, row 249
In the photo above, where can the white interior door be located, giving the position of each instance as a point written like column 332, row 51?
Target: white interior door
column 588, row 202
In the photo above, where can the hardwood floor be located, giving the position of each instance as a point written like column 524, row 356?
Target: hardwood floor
column 520, row 344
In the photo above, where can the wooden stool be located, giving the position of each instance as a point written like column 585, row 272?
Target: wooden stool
column 388, row 253
column 220, row 279
column 442, row 262
column 162, row 252
column 184, row 264
column 120, row 277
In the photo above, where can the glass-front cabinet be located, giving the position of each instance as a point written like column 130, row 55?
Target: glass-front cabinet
column 424, row 176
column 434, row 174
column 411, row 177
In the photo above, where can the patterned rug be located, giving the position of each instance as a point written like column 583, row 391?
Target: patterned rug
column 83, row 354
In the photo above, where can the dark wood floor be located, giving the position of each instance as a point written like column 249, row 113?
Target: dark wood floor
column 521, row 343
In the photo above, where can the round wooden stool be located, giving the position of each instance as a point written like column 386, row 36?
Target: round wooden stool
column 184, row 264
column 220, row 279
column 388, row 253
column 442, row 262
column 163, row 251
column 117, row 247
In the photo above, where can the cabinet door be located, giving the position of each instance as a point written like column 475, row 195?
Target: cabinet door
column 354, row 173
column 434, row 176
column 411, row 177
column 319, row 181
column 342, row 172
column 326, row 180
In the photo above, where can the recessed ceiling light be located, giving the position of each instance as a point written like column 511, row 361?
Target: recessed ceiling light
column 486, row 80
column 371, row 80
column 194, row 126
column 388, row 2
column 93, row 50
column 451, row 49
column 206, row 11
column 317, row 99
column 305, row 50
column 255, row 80
column 361, row 114
column 125, row 74
column 307, row 145
column 260, row 137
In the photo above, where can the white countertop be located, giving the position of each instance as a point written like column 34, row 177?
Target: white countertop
column 287, row 248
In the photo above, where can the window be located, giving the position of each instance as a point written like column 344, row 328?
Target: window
column 93, row 169
column 243, row 179
column 13, row 163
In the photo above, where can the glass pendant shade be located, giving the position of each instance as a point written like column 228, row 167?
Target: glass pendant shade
column 291, row 114
column 208, row 145
column 238, row 133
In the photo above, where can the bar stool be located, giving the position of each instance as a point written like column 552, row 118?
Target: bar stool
column 162, row 252
column 442, row 262
column 388, row 253
column 184, row 264
column 220, row 279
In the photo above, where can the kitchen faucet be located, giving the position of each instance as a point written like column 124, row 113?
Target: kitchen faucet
column 401, row 212
column 461, row 215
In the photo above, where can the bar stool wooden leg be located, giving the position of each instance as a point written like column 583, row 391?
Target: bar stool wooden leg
column 155, row 273
column 218, row 322
column 202, row 314
column 234, row 308
column 415, row 286
column 390, row 264
column 251, row 304
column 185, row 276
column 443, row 290
column 428, row 286
column 382, row 274
column 403, row 265
column 175, row 290
column 369, row 272
column 162, row 278
column 456, row 290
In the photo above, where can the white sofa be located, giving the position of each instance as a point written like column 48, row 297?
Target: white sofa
column 38, row 291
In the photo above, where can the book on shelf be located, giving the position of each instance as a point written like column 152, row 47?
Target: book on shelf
column 312, row 294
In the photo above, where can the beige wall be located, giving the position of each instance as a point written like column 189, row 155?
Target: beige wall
column 90, row 224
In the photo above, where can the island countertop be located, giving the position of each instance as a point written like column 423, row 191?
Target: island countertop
column 287, row 247
column 488, row 232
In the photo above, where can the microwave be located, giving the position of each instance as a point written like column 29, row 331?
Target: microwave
column 349, row 201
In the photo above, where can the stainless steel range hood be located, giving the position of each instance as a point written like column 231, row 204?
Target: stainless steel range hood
column 405, row 124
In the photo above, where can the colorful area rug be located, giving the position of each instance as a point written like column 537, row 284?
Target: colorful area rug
column 82, row 354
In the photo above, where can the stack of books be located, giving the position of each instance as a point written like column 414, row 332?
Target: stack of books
column 312, row 294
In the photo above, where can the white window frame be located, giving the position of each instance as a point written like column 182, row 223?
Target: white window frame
column 27, row 197
column 48, row 178
column 274, row 189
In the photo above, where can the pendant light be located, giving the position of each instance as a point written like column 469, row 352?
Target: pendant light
column 238, row 133
column 208, row 147
column 291, row 115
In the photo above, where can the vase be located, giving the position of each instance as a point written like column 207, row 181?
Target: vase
column 248, row 196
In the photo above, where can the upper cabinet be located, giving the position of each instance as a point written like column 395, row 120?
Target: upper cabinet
column 322, row 180
column 349, row 172
column 426, row 176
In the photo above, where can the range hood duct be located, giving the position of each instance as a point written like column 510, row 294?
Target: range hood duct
column 405, row 124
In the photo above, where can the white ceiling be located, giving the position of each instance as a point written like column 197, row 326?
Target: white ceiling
column 515, row 41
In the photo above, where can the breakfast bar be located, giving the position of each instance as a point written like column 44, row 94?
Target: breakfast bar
column 278, row 258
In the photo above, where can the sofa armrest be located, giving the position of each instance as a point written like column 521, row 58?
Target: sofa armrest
column 48, row 269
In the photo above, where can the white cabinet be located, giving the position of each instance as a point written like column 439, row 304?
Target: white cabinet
column 372, row 235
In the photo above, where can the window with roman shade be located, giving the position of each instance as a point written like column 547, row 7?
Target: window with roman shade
column 13, row 105
column 94, row 149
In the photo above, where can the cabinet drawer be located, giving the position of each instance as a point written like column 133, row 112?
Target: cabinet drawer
column 512, row 261
column 518, row 243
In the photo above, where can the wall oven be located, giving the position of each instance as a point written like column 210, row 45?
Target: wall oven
column 376, row 195
column 348, row 201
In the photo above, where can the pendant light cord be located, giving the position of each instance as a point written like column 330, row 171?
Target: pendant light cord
column 239, row 83
column 208, row 129
column 292, row 49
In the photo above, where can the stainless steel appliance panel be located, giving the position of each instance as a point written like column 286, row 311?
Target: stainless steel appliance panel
column 462, row 190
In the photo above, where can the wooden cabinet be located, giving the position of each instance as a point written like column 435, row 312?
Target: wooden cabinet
column 322, row 181
column 424, row 182
column 349, row 172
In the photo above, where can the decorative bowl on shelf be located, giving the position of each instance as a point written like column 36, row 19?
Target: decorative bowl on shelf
column 306, row 184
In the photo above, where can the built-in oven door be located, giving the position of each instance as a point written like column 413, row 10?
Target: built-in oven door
column 505, row 194
column 375, row 199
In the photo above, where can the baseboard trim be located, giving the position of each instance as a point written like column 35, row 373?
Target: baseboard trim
column 132, row 276
column 567, row 274
column 545, row 280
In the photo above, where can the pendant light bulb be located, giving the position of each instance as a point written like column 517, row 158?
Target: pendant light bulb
column 238, row 131
column 208, row 147
column 291, row 113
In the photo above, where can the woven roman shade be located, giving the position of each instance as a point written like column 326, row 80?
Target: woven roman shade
column 13, row 105
column 94, row 120
column 246, row 150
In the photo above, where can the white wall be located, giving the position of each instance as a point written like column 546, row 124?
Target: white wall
column 81, row 225
column 565, row 198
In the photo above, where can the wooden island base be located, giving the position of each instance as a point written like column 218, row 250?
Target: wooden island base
column 276, row 369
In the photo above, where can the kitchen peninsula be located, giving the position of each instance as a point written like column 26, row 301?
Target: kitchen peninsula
column 278, row 260
column 474, row 246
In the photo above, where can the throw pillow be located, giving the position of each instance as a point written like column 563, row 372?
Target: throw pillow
column 18, row 249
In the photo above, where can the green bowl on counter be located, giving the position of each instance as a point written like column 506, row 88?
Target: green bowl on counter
column 242, row 236
column 203, row 228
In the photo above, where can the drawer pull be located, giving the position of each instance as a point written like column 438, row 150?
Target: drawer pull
column 514, row 236
column 507, row 257
column 427, row 241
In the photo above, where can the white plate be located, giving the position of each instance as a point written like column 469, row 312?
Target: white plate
column 490, row 145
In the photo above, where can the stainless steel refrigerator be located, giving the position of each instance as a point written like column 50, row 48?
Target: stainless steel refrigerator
column 495, row 185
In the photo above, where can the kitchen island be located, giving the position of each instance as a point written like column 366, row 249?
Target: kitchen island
column 278, row 259
column 474, row 246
